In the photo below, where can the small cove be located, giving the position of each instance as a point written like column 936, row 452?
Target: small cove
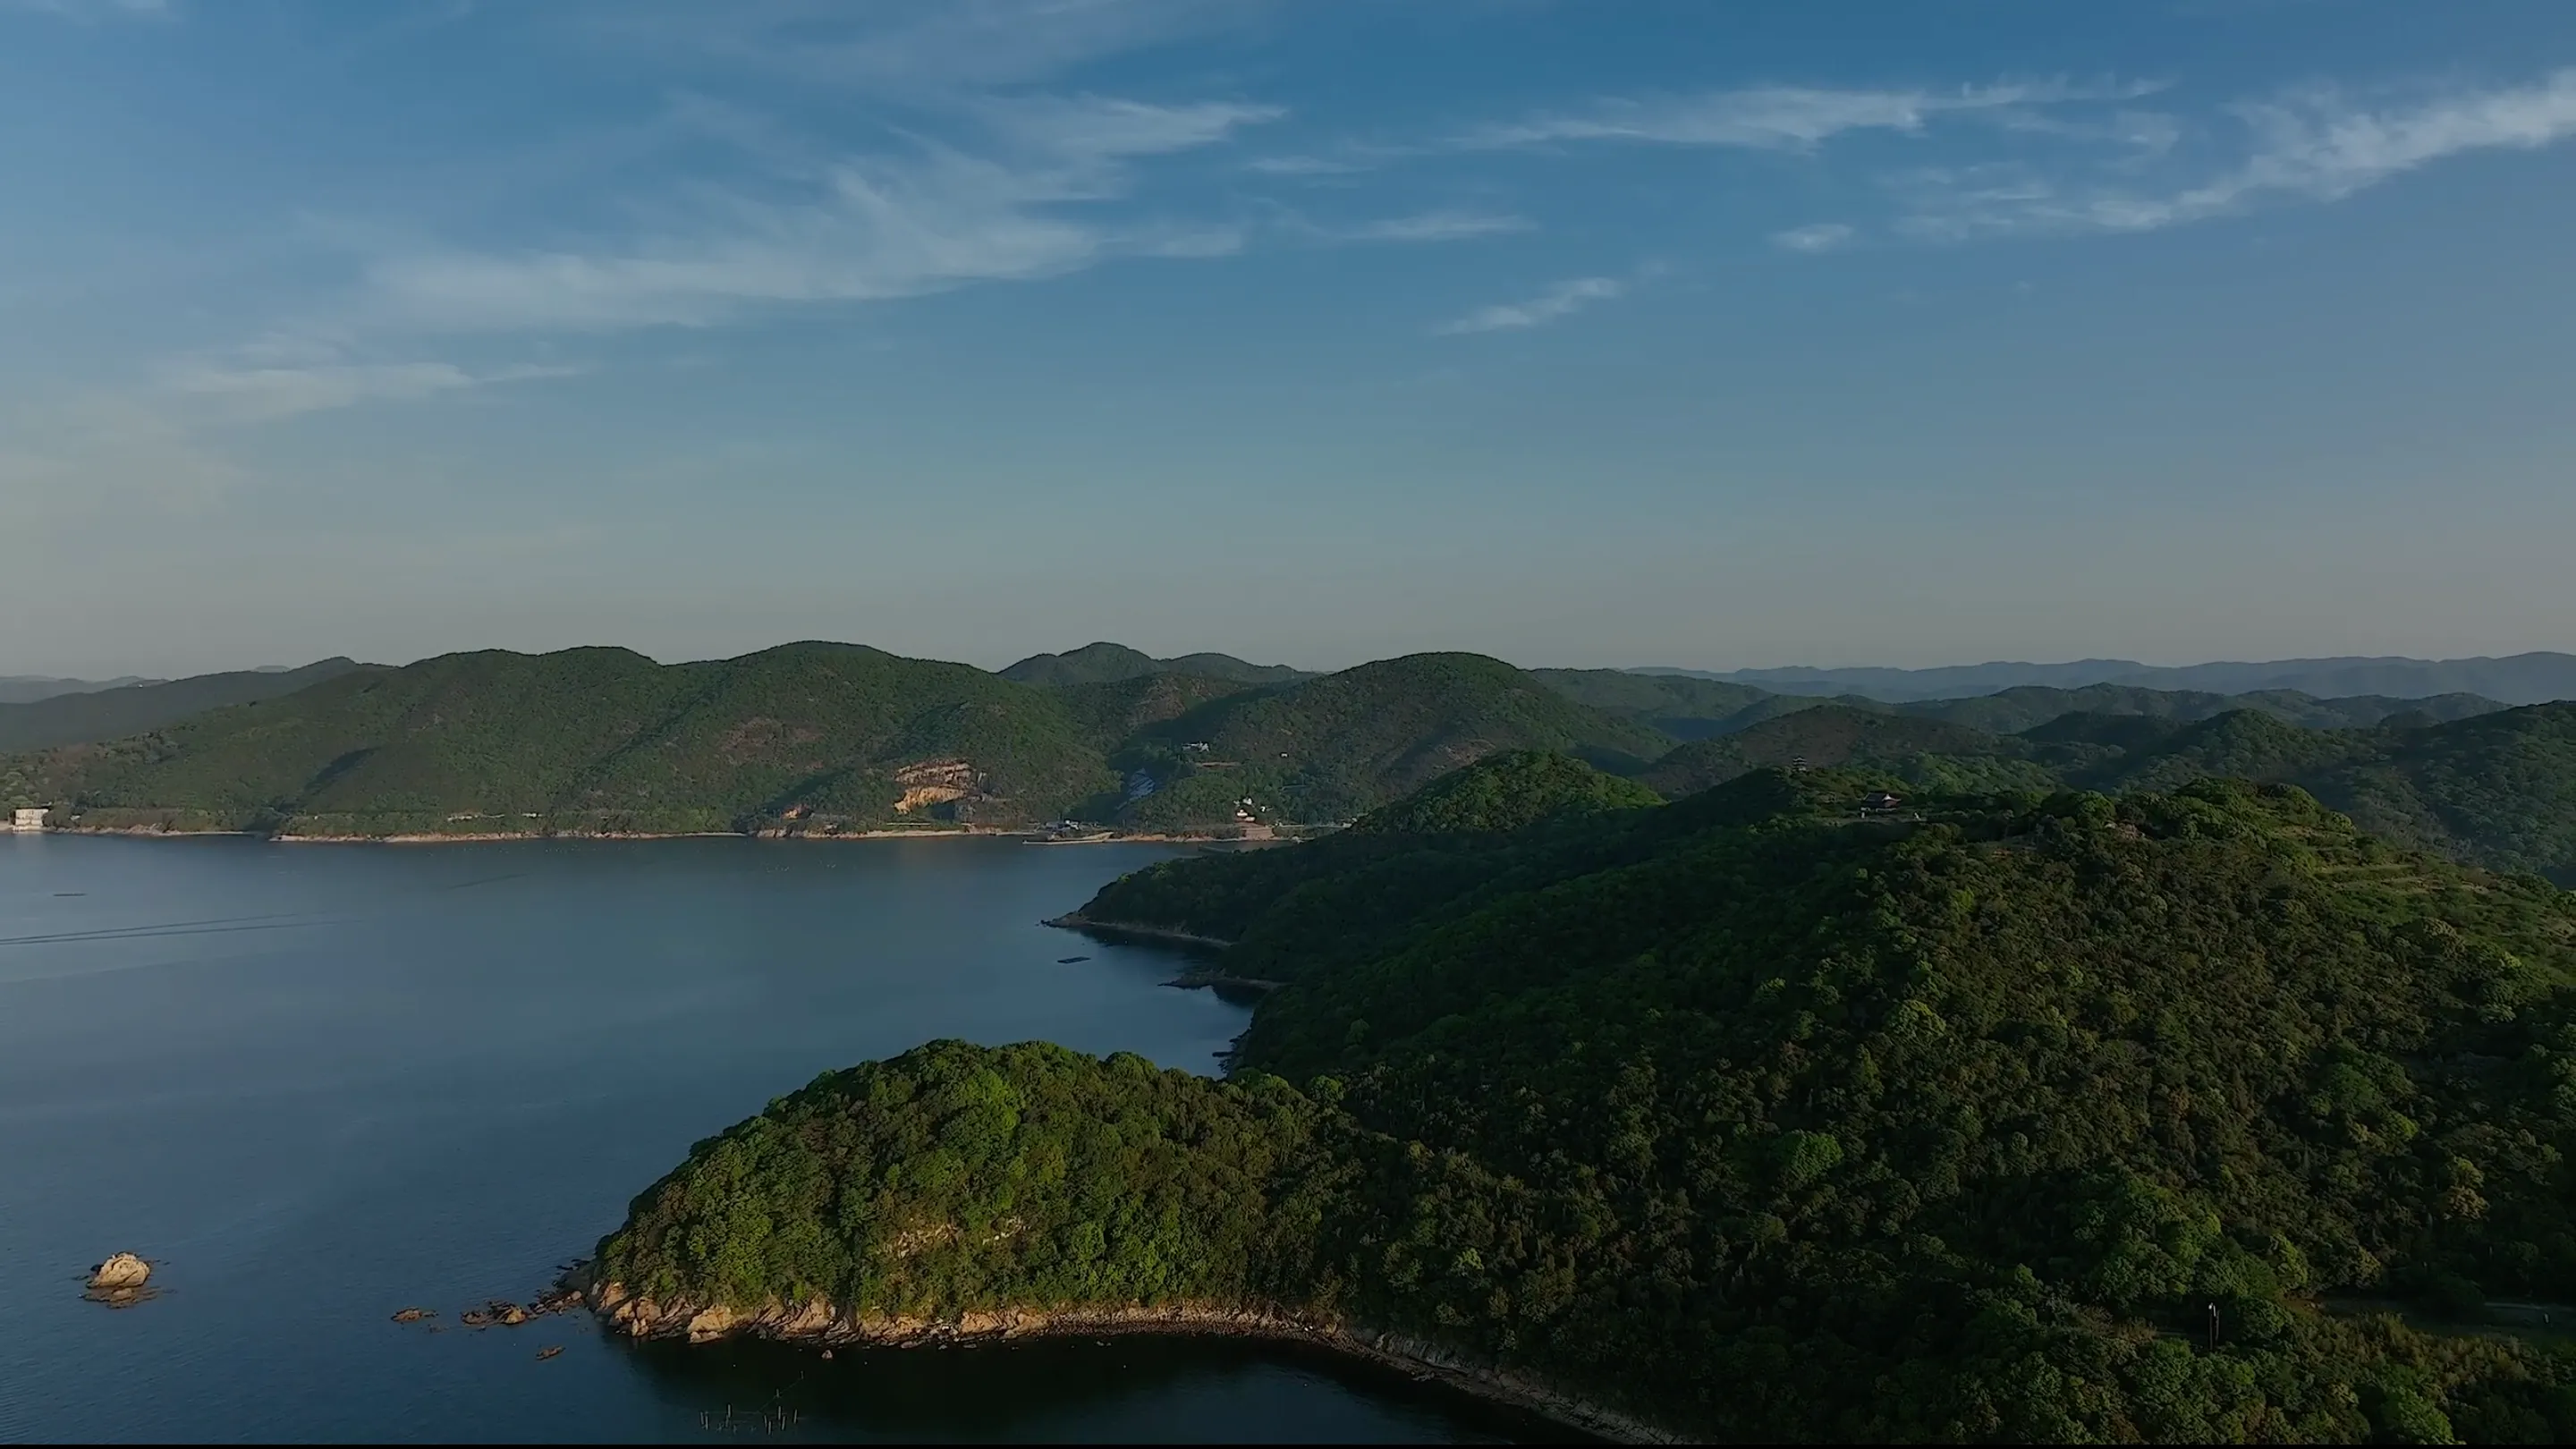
column 321, row 1083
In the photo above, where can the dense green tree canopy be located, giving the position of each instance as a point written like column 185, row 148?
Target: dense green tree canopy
column 1506, row 792
column 802, row 738
column 1763, row 1115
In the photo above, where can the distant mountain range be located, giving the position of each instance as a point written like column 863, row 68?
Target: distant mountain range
column 28, row 688
column 106, row 711
column 835, row 738
column 2516, row 679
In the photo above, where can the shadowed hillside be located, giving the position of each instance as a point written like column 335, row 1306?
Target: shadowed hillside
column 28, row 688
column 108, row 713
column 1919, row 751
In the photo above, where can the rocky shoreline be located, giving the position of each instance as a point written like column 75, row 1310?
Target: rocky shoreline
column 820, row 1324
column 1076, row 921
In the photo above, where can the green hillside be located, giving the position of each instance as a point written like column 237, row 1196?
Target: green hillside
column 806, row 738
column 2495, row 788
column 1106, row 663
column 106, row 714
column 1113, row 711
column 1335, row 747
column 1922, row 752
column 1506, row 792
column 2247, row 743
column 825, row 735
column 2499, row 789
column 1755, row 1120
column 832, row 737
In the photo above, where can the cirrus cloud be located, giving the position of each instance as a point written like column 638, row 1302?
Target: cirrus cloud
column 1561, row 300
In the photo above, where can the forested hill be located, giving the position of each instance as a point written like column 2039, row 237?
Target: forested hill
column 805, row 738
column 1106, row 663
column 602, row 739
column 1328, row 749
column 1759, row 1115
column 2495, row 788
column 829, row 738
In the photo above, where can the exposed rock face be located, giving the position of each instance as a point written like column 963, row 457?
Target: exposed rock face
column 935, row 782
column 121, row 1273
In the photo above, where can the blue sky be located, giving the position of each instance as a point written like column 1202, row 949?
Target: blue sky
column 1703, row 333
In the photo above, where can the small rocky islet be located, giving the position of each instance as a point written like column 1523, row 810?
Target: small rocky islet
column 120, row 1281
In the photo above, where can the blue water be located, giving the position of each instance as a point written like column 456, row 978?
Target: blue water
column 318, row 1083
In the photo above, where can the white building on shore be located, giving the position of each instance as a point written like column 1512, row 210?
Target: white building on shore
column 28, row 817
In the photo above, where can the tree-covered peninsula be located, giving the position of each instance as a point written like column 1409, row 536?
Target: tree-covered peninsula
column 1781, row 1111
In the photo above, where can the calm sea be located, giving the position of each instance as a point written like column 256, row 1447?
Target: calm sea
column 318, row 1083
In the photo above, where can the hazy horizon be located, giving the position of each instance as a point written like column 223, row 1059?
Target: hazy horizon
column 998, row 663
column 2186, row 331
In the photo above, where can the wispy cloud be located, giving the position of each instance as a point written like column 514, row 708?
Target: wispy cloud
column 1823, row 236
column 1431, row 226
column 852, row 228
column 2315, row 146
column 1304, row 166
column 97, row 9
column 1090, row 128
column 257, row 393
column 1562, row 300
column 1775, row 118
column 912, row 46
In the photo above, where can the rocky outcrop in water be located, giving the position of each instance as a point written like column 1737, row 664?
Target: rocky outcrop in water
column 122, row 1272
column 120, row 1282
